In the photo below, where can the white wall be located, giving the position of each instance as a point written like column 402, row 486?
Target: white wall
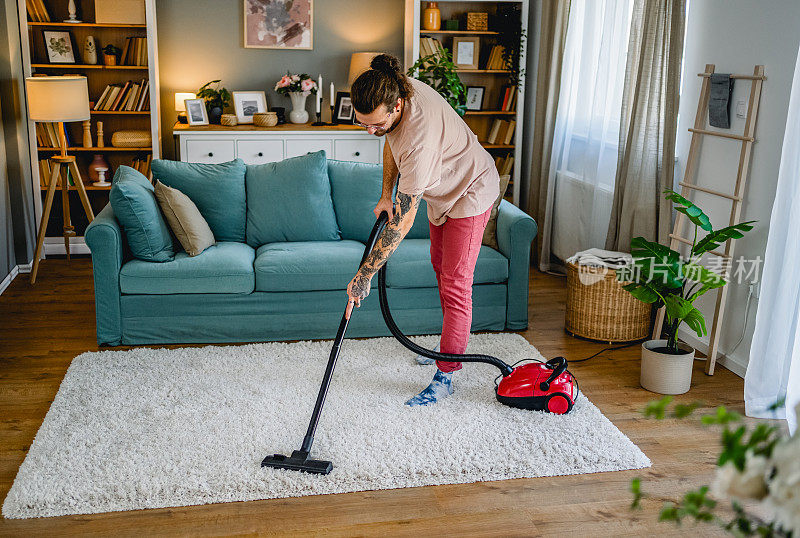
column 735, row 35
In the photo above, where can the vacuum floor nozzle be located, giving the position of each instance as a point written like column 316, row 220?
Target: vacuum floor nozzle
column 298, row 461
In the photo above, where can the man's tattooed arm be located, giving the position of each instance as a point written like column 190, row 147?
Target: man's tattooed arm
column 394, row 232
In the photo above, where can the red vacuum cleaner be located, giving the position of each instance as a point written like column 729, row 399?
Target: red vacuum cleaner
column 532, row 385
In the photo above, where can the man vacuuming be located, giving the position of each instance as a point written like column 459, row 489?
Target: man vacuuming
column 438, row 158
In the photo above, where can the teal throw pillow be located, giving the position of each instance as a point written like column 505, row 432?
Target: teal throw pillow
column 134, row 203
column 290, row 200
column 216, row 189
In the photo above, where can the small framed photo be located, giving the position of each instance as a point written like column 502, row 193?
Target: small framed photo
column 466, row 51
column 475, row 97
column 59, row 47
column 247, row 104
column 196, row 111
column 343, row 113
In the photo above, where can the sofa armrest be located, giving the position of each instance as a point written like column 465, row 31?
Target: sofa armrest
column 515, row 232
column 105, row 239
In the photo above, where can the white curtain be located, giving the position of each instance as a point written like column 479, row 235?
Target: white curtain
column 773, row 372
column 584, row 158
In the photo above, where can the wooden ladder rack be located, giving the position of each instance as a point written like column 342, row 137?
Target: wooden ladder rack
column 687, row 187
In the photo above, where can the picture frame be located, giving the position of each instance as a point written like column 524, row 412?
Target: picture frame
column 475, row 97
column 196, row 113
column 343, row 113
column 246, row 104
column 60, row 46
column 278, row 24
column 466, row 52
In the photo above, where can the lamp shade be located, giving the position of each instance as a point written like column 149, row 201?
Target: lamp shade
column 180, row 97
column 359, row 62
column 57, row 98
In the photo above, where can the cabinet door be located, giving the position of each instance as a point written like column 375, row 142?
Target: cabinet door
column 300, row 146
column 358, row 150
column 259, row 151
column 202, row 150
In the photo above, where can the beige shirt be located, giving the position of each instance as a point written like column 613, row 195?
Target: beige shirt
column 440, row 157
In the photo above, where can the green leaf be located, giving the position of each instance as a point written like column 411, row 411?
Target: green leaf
column 681, row 309
column 684, row 410
column 665, row 265
column 636, row 490
column 643, row 292
column 657, row 408
column 721, row 416
column 688, row 208
column 715, row 239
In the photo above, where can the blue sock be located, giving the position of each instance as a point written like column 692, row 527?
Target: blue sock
column 440, row 388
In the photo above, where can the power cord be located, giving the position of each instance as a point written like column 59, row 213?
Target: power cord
column 614, row 348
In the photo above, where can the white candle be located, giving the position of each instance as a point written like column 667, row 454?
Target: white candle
column 332, row 97
column 319, row 93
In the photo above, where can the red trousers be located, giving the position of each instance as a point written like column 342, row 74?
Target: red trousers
column 454, row 250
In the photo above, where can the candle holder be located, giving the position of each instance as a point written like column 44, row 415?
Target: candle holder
column 333, row 119
column 319, row 121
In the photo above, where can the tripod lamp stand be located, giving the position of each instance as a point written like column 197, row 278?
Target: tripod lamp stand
column 59, row 99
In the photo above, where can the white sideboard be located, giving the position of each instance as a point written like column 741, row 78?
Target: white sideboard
column 257, row 145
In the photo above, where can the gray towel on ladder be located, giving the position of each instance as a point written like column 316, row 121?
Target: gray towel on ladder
column 719, row 105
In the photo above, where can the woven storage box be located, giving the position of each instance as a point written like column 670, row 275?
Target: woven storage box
column 131, row 139
column 477, row 21
column 599, row 309
column 228, row 120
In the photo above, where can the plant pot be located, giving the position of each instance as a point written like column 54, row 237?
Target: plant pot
column 665, row 373
column 214, row 114
column 299, row 114
column 109, row 59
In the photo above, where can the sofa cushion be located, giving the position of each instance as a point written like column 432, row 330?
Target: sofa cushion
column 216, row 189
column 290, row 200
column 136, row 209
column 356, row 188
column 184, row 219
column 410, row 266
column 222, row 268
column 307, row 265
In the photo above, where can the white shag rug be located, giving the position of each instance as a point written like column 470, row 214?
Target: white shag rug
column 152, row 428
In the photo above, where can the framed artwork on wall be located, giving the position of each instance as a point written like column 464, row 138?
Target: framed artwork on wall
column 343, row 113
column 279, row 24
column 196, row 112
column 466, row 51
column 247, row 104
column 59, row 47
column 475, row 97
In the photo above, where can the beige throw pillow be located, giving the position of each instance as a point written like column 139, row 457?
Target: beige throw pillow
column 184, row 219
column 490, row 233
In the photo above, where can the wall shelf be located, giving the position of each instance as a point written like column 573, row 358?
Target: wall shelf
column 490, row 112
column 88, row 187
column 459, row 32
column 86, row 25
column 97, row 150
column 88, row 66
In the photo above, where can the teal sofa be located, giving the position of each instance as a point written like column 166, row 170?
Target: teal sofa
column 243, row 291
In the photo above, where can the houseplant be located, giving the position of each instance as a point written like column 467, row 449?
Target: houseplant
column 439, row 72
column 661, row 276
column 511, row 36
column 217, row 98
column 755, row 465
column 298, row 87
column 111, row 54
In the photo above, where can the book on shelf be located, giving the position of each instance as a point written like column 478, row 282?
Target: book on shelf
column 504, row 164
column 130, row 96
column 141, row 164
column 493, row 131
column 47, row 135
column 508, row 98
column 37, row 11
column 46, row 169
column 501, row 132
column 495, row 60
column 429, row 46
column 510, row 132
column 135, row 51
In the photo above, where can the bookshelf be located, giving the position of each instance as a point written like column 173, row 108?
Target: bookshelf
column 493, row 80
column 99, row 76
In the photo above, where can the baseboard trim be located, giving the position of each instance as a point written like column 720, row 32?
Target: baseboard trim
column 55, row 246
column 723, row 360
column 9, row 279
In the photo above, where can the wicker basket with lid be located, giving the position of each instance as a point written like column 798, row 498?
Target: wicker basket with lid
column 599, row 309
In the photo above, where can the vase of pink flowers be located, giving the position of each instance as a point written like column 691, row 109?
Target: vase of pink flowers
column 298, row 88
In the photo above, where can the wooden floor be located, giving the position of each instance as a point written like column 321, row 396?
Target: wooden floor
column 43, row 327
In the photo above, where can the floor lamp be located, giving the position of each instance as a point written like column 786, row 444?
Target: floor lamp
column 59, row 99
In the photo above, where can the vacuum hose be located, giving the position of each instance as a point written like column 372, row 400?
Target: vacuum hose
column 505, row 369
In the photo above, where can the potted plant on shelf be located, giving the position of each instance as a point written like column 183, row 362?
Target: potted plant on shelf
column 298, row 88
column 438, row 71
column 111, row 54
column 511, row 36
column 216, row 98
column 660, row 276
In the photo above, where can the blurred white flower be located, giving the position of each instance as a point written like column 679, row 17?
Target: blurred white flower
column 748, row 484
column 784, row 484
